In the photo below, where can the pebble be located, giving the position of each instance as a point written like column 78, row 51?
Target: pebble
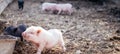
column 78, row 52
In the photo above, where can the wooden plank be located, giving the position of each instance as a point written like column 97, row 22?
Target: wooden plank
column 4, row 4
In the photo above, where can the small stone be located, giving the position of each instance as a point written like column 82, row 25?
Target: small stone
column 78, row 52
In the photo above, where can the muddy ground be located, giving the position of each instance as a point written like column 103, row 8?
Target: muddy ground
column 87, row 31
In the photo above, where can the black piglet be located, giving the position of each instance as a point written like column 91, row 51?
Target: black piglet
column 15, row 31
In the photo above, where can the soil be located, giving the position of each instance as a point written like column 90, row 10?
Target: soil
column 88, row 31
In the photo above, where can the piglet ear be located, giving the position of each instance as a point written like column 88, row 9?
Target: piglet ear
column 38, row 31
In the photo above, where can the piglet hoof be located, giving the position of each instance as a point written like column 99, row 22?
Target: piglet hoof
column 38, row 53
column 64, row 49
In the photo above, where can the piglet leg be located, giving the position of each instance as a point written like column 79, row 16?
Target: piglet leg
column 40, row 48
column 62, row 44
column 70, row 12
column 59, row 12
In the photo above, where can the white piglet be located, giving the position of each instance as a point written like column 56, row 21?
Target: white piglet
column 64, row 8
column 48, row 7
column 44, row 38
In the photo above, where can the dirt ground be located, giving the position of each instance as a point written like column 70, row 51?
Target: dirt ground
column 87, row 31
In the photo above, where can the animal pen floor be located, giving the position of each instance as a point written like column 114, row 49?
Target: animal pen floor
column 87, row 31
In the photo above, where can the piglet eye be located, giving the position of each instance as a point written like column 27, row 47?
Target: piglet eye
column 31, row 33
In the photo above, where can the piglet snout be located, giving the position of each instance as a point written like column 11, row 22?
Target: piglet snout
column 24, row 35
